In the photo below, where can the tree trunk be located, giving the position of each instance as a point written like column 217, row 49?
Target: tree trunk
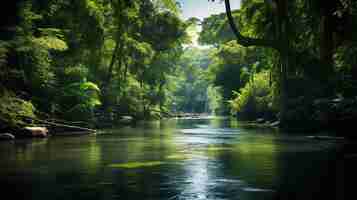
column 284, row 64
column 161, row 94
column 281, row 44
column 326, row 44
column 283, row 27
column 125, row 78
column 142, row 98
column 117, row 56
column 118, row 49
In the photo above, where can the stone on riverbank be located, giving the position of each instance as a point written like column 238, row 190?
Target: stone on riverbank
column 7, row 136
column 36, row 132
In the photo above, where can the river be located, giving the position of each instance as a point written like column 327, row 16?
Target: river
column 178, row 159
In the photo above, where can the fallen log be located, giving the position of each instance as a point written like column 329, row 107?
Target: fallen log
column 74, row 123
column 73, row 133
column 59, row 127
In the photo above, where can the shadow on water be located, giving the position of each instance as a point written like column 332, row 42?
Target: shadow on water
column 195, row 159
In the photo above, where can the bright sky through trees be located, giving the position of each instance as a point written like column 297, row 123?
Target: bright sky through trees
column 204, row 8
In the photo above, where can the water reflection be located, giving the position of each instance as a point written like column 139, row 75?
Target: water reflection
column 198, row 180
column 175, row 159
column 232, row 164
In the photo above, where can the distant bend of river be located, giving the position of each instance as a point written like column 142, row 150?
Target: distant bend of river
column 182, row 159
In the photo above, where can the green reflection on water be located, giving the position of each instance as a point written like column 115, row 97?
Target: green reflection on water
column 178, row 157
column 156, row 161
column 91, row 156
column 136, row 164
column 212, row 148
column 257, row 157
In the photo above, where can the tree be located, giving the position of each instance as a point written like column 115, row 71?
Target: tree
column 51, row 49
column 280, row 43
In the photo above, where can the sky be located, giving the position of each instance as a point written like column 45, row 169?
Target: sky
column 201, row 9
column 204, row 8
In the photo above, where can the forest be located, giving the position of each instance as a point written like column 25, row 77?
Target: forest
column 178, row 99
column 291, row 63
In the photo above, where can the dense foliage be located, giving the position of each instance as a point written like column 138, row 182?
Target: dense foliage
column 78, row 59
column 99, row 60
column 304, row 47
column 255, row 99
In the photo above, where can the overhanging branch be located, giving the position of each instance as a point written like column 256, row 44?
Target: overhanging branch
column 243, row 40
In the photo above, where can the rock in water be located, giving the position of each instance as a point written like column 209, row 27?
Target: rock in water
column 126, row 119
column 275, row 124
column 260, row 120
column 7, row 136
column 40, row 132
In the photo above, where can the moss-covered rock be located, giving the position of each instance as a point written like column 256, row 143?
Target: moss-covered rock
column 6, row 136
column 15, row 112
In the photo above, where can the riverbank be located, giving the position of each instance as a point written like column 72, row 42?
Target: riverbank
column 43, row 129
column 336, row 116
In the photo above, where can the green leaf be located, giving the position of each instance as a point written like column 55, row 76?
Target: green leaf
column 50, row 42
column 89, row 86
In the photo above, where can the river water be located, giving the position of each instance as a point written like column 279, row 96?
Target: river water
column 185, row 159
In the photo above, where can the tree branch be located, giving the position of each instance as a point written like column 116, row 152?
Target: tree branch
column 243, row 40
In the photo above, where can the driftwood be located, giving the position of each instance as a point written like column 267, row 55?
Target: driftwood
column 59, row 127
column 74, row 123
column 73, row 133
